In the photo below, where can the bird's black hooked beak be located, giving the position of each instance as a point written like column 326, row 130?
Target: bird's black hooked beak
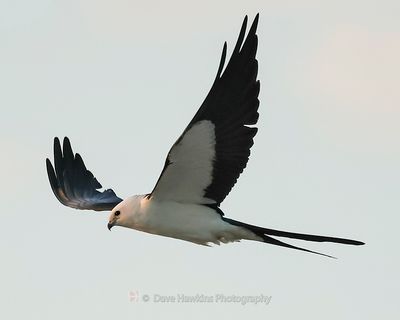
column 112, row 222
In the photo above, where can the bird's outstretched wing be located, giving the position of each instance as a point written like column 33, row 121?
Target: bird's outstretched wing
column 207, row 159
column 74, row 185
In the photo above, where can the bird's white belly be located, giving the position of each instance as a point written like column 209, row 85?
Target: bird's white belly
column 194, row 223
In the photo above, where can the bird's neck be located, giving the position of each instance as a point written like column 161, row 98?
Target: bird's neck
column 137, row 211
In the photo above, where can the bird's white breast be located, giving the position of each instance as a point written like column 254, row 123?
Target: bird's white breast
column 195, row 223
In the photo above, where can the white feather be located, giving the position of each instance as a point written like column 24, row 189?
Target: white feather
column 191, row 166
column 191, row 222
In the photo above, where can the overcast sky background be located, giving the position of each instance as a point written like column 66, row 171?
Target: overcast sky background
column 123, row 78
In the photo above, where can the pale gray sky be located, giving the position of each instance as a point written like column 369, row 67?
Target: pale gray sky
column 122, row 79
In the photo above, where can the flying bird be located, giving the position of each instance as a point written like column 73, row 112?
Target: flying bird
column 200, row 170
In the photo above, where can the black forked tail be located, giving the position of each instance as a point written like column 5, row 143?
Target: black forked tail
column 266, row 233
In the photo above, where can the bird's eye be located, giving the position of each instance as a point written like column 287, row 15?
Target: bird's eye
column 117, row 213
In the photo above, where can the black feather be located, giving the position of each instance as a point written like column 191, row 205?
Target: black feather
column 74, row 185
column 266, row 233
column 231, row 105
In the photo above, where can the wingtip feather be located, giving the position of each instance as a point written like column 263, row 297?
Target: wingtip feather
column 241, row 36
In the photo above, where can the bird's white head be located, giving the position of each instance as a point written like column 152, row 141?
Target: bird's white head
column 123, row 213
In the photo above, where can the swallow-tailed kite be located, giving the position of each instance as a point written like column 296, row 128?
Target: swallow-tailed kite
column 200, row 170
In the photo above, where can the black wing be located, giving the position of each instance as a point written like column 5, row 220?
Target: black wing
column 74, row 185
column 205, row 162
